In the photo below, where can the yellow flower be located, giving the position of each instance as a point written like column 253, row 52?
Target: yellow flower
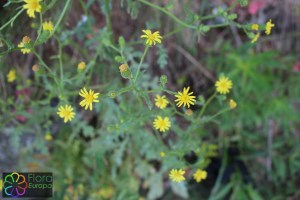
column 1, row 185
column 200, row 175
column 161, row 102
column 81, row 65
column 255, row 38
column 269, row 27
column 89, row 98
column 11, row 76
column 66, row 113
column 223, row 85
column 48, row 136
column 255, row 27
column 162, row 154
column 232, row 104
column 152, row 38
column 184, row 98
column 32, row 6
column 48, row 26
column 162, row 124
column 177, row 175
column 107, row 192
column 26, row 40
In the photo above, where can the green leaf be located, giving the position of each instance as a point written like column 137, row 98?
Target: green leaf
column 156, row 186
column 162, row 56
column 180, row 189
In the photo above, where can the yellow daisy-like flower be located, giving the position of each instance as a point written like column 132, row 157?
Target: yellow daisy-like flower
column 89, row 98
column 184, row 98
column 255, row 38
column 161, row 101
column 162, row 154
column 269, row 27
column 177, row 175
column 11, row 76
column 162, row 124
column 32, row 6
column 48, row 137
column 152, row 38
column 223, row 85
column 200, row 175
column 25, row 40
column 81, row 65
column 66, row 112
column 48, row 26
column 255, row 27
column 232, row 104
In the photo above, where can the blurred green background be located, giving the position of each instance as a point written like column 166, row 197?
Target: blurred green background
column 112, row 152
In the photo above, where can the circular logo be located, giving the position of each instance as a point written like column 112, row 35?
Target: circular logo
column 15, row 185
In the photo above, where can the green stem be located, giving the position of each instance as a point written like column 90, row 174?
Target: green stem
column 141, row 62
column 167, row 13
column 12, row 19
column 108, row 21
column 60, row 17
column 206, row 104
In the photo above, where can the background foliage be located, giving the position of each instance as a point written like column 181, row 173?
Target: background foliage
column 113, row 152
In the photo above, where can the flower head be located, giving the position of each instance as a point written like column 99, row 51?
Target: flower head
column 162, row 154
column 81, row 65
column 123, row 68
column 48, row 26
column 162, row 124
column 25, row 41
column 151, row 38
column 184, row 98
column 11, row 76
column 32, row 6
column 223, row 85
column 89, row 98
column 200, row 175
column 255, row 38
column 269, row 27
column 255, row 27
column 35, row 68
column 232, row 104
column 177, row 175
column 48, row 136
column 161, row 101
column 66, row 112
column 189, row 112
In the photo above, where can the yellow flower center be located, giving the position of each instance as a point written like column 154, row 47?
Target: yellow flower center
column 90, row 98
column 33, row 4
column 151, row 37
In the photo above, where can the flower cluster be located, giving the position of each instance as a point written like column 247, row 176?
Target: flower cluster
column 177, row 175
column 255, row 27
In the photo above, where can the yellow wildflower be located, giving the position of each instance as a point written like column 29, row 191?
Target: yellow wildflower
column 223, row 85
column 162, row 154
column 151, row 38
column 66, row 113
column 32, row 6
column 255, row 27
column 184, row 98
column 11, row 76
column 255, row 38
column 177, row 175
column 161, row 101
column 81, row 65
column 106, row 192
column 48, row 26
column 200, row 175
column 48, row 136
column 26, row 40
column 89, row 98
column 269, row 27
column 232, row 104
column 1, row 184
column 162, row 124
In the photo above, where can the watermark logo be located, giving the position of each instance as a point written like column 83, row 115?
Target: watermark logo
column 29, row 184
column 14, row 185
